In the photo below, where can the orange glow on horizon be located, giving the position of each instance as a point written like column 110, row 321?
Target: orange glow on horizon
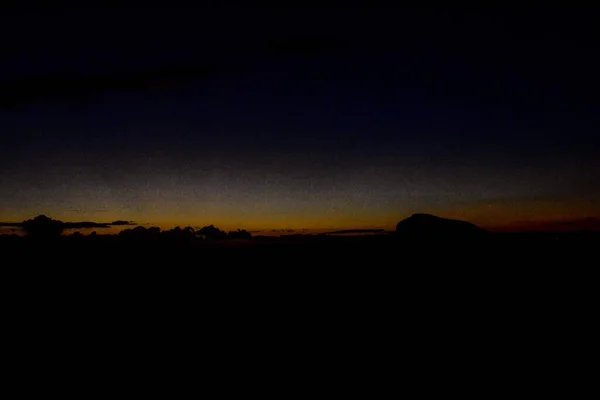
column 494, row 215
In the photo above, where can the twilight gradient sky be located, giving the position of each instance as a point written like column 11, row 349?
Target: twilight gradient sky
column 303, row 118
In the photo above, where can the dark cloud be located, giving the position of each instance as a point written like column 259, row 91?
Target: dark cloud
column 76, row 87
column 86, row 224
column 581, row 224
column 346, row 231
column 305, row 44
column 76, row 225
column 120, row 222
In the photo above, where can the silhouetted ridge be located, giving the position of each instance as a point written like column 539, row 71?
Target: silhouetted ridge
column 419, row 226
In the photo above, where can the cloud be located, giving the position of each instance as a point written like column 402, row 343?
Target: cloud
column 120, row 222
column 76, row 225
column 71, row 87
column 346, row 231
column 305, row 44
column 568, row 225
column 80, row 225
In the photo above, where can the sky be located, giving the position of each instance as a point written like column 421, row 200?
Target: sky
column 299, row 118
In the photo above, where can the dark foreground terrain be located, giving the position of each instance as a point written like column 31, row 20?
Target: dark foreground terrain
column 382, row 277
column 385, row 274
column 318, row 305
column 502, row 251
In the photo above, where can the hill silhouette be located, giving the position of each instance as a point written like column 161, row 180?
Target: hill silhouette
column 427, row 226
column 410, row 247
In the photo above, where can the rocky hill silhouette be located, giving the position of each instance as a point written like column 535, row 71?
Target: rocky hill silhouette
column 427, row 226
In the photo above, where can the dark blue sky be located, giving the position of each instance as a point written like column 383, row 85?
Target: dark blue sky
column 301, row 118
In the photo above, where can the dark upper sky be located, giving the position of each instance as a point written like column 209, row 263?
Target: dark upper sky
column 299, row 118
